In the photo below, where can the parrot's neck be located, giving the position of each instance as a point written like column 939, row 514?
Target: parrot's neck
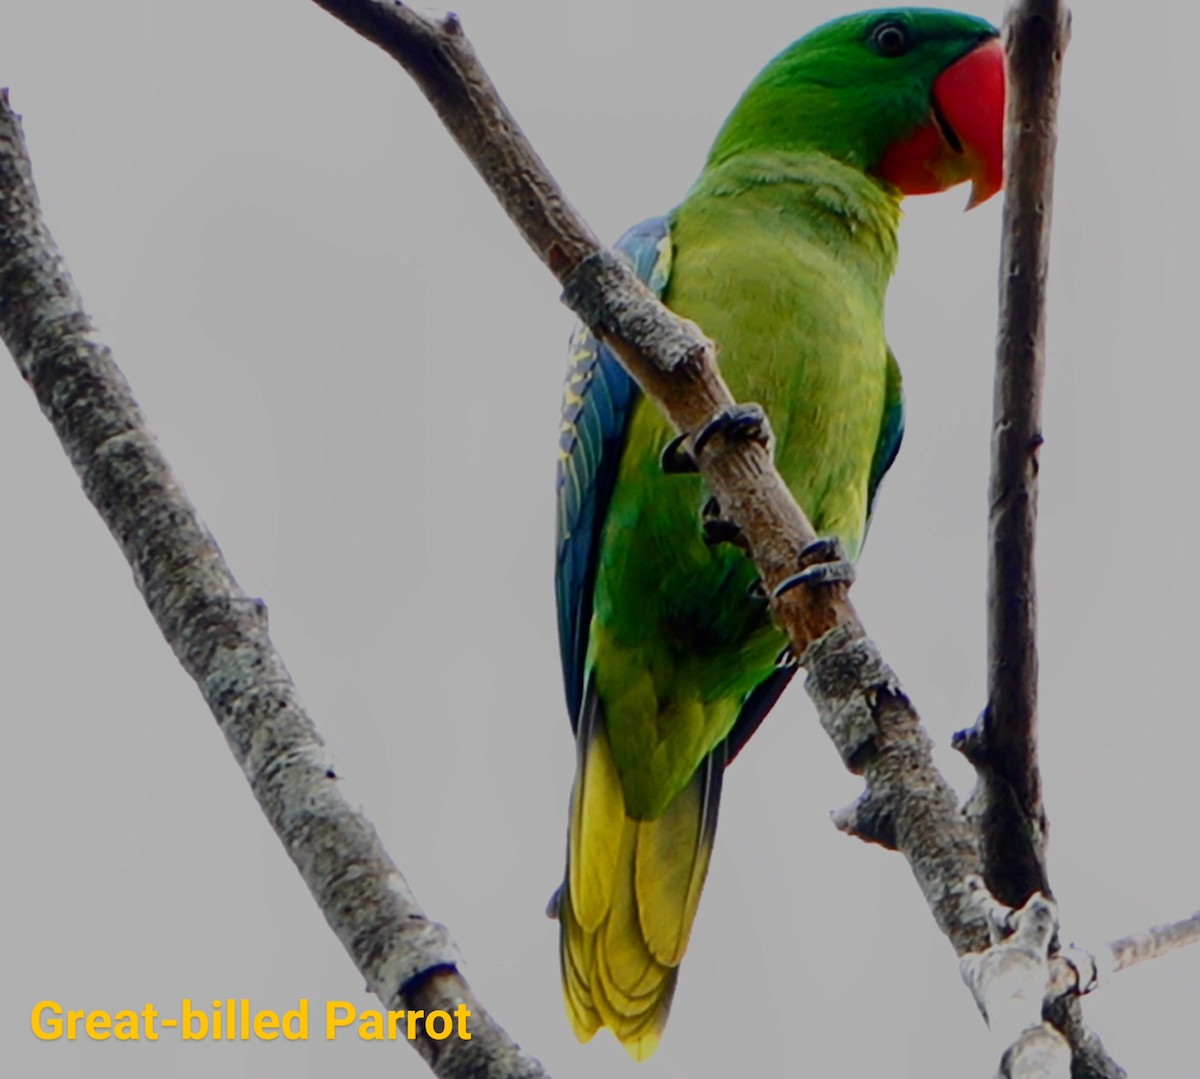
column 855, row 215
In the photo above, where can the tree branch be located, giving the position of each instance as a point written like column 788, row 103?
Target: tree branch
column 1007, row 802
column 219, row 635
column 1156, row 941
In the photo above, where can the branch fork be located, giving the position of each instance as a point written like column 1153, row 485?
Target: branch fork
column 1008, row 982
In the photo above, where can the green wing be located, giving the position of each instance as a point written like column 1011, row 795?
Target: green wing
column 891, row 431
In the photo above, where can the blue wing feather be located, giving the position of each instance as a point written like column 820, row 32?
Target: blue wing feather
column 598, row 400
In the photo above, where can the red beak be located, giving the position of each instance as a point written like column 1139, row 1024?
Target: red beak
column 964, row 139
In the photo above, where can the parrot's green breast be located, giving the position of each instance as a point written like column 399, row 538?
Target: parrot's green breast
column 783, row 260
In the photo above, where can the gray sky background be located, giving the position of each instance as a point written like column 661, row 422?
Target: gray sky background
column 354, row 365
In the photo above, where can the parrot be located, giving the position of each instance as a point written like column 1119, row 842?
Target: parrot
column 781, row 253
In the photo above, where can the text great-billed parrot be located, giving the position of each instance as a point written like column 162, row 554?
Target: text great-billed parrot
column 781, row 253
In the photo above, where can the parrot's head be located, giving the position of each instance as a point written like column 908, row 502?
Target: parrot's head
column 911, row 95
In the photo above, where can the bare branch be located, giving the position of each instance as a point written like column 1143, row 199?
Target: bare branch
column 1155, row 942
column 1003, row 744
column 1007, row 801
column 219, row 635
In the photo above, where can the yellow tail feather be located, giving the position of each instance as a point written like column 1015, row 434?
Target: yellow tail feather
column 630, row 897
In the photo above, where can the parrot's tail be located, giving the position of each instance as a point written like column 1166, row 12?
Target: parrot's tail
column 630, row 894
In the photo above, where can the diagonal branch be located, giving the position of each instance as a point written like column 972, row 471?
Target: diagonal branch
column 219, row 635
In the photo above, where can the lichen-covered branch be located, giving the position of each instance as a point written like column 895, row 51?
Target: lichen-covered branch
column 906, row 805
column 219, row 635
column 1008, row 981
column 1003, row 745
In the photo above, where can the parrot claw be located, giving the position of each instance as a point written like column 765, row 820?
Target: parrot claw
column 824, row 562
column 747, row 421
column 675, row 460
column 717, row 529
column 744, row 421
column 552, row 907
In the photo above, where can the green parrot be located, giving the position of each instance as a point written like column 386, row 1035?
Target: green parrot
column 781, row 253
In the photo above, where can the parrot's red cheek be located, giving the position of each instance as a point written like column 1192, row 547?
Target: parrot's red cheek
column 964, row 138
column 908, row 163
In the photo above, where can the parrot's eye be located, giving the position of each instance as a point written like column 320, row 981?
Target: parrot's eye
column 890, row 39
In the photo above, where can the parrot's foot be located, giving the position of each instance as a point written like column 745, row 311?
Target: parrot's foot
column 717, row 529
column 747, row 421
column 552, row 907
column 824, row 562
column 675, row 460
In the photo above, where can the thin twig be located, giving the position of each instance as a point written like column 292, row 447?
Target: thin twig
column 219, row 635
column 1154, row 942
column 1080, row 971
